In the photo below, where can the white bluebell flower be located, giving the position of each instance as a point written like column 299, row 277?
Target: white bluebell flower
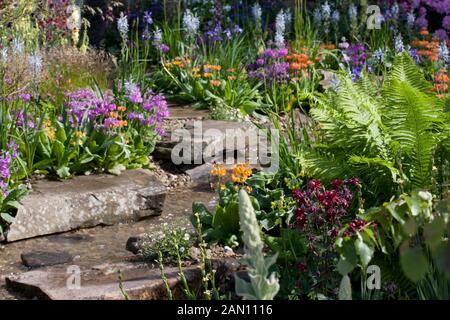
column 18, row 46
column 398, row 44
column 443, row 52
column 280, row 29
column 122, row 26
column 336, row 16
column 353, row 12
column 317, row 16
column 326, row 11
column 395, row 10
column 4, row 54
column 191, row 22
column 410, row 20
column 257, row 12
column 35, row 62
column 379, row 55
column 157, row 37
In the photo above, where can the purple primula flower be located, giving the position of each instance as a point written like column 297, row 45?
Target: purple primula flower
column 282, row 52
column 25, row 97
column 440, row 34
column 278, row 71
column 164, row 48
column 160, row 131
column 446, row 23
column 422, row 22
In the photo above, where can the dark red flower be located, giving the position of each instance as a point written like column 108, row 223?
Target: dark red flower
column 301, row 266
column 314, row 185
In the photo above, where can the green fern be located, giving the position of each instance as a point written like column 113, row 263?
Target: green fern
column 387, row 136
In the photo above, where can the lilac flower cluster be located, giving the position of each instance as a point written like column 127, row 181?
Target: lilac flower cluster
column 154, row 111
column 270, row 66
column 84, row 104
column 355, row 56
column 6, row 158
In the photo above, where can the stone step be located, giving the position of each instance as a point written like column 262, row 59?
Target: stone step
column 87, row 201
column 139, row 281
column 208, row 140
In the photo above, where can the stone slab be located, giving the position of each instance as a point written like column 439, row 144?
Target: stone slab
column 37, row 259
column 87, row 201
column 213, row 134
column 139, row 281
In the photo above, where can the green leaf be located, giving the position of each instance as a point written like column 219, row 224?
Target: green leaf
column 63, row 172
column 7, row 217
column 13, row 204
column 434, row 232
column 364, row 251
column 204, row 215
column 117, row 169
column 414, row 263
column 344, row 266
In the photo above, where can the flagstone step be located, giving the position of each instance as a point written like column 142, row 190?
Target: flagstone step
column 87, row 201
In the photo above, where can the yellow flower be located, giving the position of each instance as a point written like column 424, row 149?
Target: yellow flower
column 80, row 134
column 218, row 170
column 49, row 130
column 241, row 173
column 207, row 75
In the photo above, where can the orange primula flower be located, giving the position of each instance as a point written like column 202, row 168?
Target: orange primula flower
column 424, row 32
column 241, row 173
column 218, row 170
column 215, row 83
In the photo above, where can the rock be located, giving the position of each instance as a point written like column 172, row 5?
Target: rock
column 2, row 238
column 212, row 134
column 37, row 259
column 70, row 238
column 87, row 201
column 133, row 244
column 102, row 282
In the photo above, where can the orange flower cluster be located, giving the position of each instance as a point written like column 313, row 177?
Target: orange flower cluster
column 211, row 67
column 424, row 32
column 441, row 83
column 426, row 48
column 218, row 170
column 299, row 61
column 330, row 46
column 241, row 173
column 215, row 83
column 178, row 62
